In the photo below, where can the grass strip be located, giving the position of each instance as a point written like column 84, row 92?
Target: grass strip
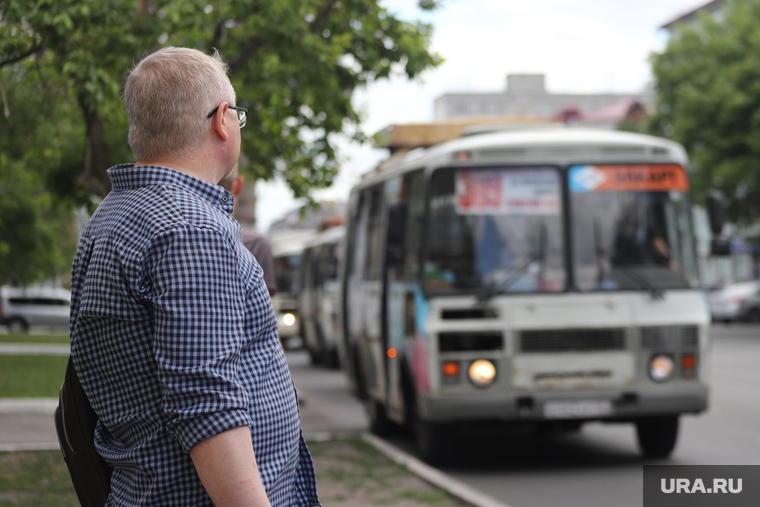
column 56, row 339
column 31, row 376
column 350, row 473
column 35, row 479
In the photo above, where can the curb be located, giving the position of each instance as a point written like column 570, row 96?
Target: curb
column 34, row 349
column 30, row 406
column 433, row 475
column 37, row 446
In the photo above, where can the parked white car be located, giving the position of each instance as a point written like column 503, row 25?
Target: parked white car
column 736, row 301
column 22, row 308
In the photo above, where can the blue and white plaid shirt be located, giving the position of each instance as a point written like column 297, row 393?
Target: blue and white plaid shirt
column 174, row 339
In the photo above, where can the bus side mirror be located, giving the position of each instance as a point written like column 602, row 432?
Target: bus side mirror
column 715, row 210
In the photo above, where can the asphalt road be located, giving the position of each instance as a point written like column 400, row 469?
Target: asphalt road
column 599, row 466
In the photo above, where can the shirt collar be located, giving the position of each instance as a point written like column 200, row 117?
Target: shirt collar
column 128, row 176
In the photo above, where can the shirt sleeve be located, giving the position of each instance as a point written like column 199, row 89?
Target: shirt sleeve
column 198, row 298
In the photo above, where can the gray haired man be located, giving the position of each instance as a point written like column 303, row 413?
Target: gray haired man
column 172, row 331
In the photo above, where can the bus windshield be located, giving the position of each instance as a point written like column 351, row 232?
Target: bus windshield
column 286, row 271
column 631, row 227
column 495, row 230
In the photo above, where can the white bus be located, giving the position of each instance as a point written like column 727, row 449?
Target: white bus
column 287, row 247
column 545, row 278
column 318, row 296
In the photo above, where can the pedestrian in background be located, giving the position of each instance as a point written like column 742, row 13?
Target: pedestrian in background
column 172, row 330
column 256, row 243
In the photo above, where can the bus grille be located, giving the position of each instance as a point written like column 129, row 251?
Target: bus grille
column 469, row 341
column 669, row 337
column 572, row 340
column 468, row 313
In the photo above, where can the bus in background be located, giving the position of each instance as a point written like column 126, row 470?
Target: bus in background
column 287, row 247
column 544, row 278
column 318, row 297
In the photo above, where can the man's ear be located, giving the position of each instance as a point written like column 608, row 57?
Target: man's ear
column 237, row 187
column 219, row 121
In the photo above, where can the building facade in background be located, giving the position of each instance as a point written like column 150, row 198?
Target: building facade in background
column 689, row 19
column 526, row 97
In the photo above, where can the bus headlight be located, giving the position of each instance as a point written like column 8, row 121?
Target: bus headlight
column 288, row 319
column 661, row 368
column 482, row 372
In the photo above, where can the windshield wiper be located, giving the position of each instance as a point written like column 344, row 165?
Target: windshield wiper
column 494, row 288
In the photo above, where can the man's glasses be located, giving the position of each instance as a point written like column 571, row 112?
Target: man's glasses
column 242, row 114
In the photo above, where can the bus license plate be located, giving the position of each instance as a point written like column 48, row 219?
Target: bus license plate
column 577, row 409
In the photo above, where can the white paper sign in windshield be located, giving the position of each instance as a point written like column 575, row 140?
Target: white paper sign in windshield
column 508, row 191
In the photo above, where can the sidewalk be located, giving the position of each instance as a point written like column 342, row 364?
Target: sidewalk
column 33, row 349
column 26, row 424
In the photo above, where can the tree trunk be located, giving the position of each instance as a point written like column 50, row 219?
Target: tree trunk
column 95, row 173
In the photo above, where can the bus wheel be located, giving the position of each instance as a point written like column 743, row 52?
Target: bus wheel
column 330, row 359
column 434, row 442
column 379, row 424
column 657, row 435
column 314, row 356
column 360, row 376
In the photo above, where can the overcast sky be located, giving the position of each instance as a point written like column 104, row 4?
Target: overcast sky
column 581, row 46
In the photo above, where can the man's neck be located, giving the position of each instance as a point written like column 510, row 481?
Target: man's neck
column 201, row 171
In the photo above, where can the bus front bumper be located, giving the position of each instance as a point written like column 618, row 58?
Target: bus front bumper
column 609, row 405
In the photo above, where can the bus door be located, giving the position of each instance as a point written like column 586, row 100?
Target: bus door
column 364, row 298
column 308, row 298
column 328, row 291
column 405, row 206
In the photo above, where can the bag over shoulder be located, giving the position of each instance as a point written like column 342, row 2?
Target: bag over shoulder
column 75, row 422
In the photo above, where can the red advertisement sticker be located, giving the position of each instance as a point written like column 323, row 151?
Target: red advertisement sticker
column 631, row 178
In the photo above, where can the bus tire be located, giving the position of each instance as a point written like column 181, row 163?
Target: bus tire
column 434, row 442
column 330, row 359
column 657, row 435
column 360, row 377
column 314, row 356
column 379, row 424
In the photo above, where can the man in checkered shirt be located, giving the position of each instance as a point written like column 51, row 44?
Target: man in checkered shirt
column 172, row 331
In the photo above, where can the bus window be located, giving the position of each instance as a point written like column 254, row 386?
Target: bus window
column 511, row 244
column 286, row 273
column 632, row 236
column 372, row 266
column 415, row 202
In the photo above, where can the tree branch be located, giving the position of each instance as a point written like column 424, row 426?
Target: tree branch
column 248, row 49
column 96, row 159
column 5, row 102
column 21, row 56
column 316, row 23
column 253, row 45
column 217, row 36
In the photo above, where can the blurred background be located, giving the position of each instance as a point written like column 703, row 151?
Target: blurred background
column 337, row 88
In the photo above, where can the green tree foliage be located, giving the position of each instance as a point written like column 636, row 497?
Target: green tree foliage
column 294, row 64
column 708, row 85
column 36, row 234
